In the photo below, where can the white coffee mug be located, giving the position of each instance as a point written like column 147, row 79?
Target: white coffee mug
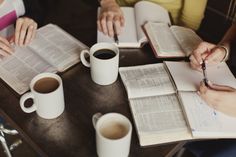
column 104, row 62
column 113, row 134
column 46, row 90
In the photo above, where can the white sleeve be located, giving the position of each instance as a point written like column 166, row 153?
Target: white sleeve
column 19, row 7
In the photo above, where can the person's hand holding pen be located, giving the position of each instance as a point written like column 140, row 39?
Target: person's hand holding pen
column 219, row 97
column 111, row 18
column 211, row 53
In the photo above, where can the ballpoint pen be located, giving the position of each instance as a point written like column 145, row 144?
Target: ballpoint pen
column 115, row 35
column 205, row 80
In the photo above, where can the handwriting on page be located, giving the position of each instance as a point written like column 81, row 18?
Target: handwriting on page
column 200, row 115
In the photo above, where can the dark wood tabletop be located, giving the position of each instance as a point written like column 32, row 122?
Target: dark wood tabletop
column 72, row 134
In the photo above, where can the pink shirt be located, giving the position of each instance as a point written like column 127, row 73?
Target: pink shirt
column 10, row 10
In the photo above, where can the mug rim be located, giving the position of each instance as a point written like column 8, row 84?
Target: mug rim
column 107, row 115
column 104, row 45
column 45, row 75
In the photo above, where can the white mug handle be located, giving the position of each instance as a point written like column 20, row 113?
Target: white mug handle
column 95, row 118
column 22, row 103
column 82, row 58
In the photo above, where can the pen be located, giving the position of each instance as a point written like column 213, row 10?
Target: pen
column 115, row 35
column 205, row 80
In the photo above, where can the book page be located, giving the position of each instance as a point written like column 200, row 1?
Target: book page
column 187, row 79
column 187, row 38
column 204, row 120
column 158, row 114
column 163, row 40
column 146, row 80
column 148, row 11
column 128, row 37
column 18, row 69
column 57, row 47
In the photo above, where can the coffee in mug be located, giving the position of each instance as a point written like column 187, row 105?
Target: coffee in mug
column 113, row 134
column 46, row 90
column 104, row 54
column 104, row 62
column 113, row 130
column 46, row 85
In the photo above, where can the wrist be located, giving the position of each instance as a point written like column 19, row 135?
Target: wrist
column 225, row 48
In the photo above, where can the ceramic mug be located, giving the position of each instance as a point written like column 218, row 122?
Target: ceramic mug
column 104, row 62
column 113, row 134
column 46, row 90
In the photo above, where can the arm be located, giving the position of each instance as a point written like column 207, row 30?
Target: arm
column 211, row 52
column 221, row 98
column 26, row 26
column 25, row 31
column 110, row 15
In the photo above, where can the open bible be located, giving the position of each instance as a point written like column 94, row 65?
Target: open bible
column 171, row 41
column 132, row 35
column 52, row 50
column 166, row 107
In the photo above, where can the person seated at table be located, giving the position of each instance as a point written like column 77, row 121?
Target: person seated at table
column 25, row 28
column 187, row 13
column 221, row 97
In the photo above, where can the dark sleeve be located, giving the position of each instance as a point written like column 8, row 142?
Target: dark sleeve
column 36, row 9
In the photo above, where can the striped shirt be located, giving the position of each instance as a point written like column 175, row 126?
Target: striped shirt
column 10, row 10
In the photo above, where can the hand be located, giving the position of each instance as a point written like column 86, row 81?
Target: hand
column 206, row 51
column 25, row 31
column 5, row 47
column 221, row 98
column 110, row 15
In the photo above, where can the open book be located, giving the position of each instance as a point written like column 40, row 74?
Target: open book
column 166, row 107
column 132, row 35
column 171, row 41
column 52, row 50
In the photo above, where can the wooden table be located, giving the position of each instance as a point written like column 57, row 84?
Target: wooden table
column 72, row 134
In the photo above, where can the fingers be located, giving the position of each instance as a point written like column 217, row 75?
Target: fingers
column 216, row 56
column 110, row 25
column 109, row 22
column 220, row 87
column 117, row 25
column 208, row 95
column 5, row 47
column 111, row 19
column 200, row 53
column 103, row 24
column 25, row 31
column 194, row 63
column 216, row 95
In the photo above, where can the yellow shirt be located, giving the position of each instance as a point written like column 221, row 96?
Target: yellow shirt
column 187, row 13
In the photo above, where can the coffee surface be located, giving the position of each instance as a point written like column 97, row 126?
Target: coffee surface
column 46, row 85
column 104, row 54
column 114, row 130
